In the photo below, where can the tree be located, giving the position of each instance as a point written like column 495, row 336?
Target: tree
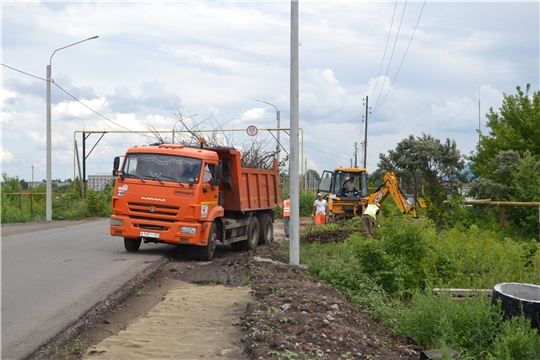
column 516, row 127
column 426, row 161
column 313, row 178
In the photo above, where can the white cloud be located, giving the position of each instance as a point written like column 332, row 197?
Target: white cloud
column 213, row 59
column 7, row 157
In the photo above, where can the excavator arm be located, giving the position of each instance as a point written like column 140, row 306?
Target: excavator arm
column 391, row 187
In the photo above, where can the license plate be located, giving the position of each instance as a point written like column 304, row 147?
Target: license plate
column 149, row 234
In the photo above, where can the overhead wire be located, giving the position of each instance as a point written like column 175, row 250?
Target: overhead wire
column 408, row 46
column 375, row 108
column 74, row 98
column 385, row 47
column 391, row 55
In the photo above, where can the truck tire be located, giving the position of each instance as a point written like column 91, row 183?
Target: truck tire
column 132, row 244
column 253, row 234
column 266, row 232
column 206, row 253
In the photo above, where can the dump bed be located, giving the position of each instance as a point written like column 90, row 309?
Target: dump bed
column 247, row 189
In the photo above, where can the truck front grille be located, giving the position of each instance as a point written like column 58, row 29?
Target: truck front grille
column 153, row 211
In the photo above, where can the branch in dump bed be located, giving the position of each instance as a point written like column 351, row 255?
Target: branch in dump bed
column 253, row 153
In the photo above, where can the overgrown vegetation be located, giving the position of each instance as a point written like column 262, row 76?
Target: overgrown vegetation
column 391, row 276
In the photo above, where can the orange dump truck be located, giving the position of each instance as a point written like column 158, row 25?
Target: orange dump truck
column 183, row 195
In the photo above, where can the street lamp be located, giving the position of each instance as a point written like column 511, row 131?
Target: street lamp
column 277, row 115
column 48, row 207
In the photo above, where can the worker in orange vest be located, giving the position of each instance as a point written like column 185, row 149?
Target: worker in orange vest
column 287, row 215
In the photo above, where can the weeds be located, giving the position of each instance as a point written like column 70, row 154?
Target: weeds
column 287, row 354
column 142, row 290
column 272, row 311
column 390, row 277
column 76, row 346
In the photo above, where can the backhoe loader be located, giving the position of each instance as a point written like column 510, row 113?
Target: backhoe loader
column 344, row 201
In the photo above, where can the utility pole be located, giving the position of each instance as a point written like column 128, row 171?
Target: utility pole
column 365, row 140
column 356, row 154
column 305, row 174
column 294, row 161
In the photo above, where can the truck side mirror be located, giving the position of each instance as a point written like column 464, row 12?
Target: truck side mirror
column 116, row 164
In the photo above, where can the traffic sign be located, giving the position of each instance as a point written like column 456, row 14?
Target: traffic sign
column 252, row 130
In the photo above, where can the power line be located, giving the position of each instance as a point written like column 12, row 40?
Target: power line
column 391, row 55
column 385, row 48
column 404, row 55
column 38, row 151
column 37, row 77
column 74, row 98
column 95, row 112
column 324, row 152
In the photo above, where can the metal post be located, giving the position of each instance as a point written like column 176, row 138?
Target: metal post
column 83, row 182
column 365, row 141
column 294, row 160
column 48, row 188
column 278, row 143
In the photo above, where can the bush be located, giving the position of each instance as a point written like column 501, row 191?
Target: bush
column 516, row 340
column 473, row 258
column 440, row 322
column 398, row 261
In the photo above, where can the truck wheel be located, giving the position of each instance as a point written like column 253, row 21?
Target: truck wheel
column 206, row 253
column 253, row 234
column 132, row 244
column 266, row 233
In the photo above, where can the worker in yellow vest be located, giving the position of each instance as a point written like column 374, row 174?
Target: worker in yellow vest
column 371, row 215
column 287, row 215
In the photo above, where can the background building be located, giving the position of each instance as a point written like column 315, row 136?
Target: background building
column 98, row 182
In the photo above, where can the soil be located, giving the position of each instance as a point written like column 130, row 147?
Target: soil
column 241, row 305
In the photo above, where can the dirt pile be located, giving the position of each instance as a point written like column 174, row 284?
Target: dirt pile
column 296, row 316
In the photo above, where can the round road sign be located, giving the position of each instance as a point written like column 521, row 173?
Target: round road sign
column 252, row 130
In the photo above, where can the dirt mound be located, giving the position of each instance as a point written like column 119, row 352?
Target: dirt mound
column 296, row 316
column 327, row 236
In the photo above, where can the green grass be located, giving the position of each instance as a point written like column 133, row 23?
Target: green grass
column 391, row 277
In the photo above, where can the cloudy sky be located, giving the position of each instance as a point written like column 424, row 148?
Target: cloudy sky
column 426, row 67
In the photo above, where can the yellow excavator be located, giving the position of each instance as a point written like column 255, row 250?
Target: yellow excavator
column 348, row 198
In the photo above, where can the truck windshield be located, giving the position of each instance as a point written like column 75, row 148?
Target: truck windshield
column 162, row 167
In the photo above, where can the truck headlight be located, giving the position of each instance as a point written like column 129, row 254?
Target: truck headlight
column 188, row 230
column 204, row 211
column 117, row 222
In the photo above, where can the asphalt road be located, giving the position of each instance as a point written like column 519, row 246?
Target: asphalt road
column 52, row 274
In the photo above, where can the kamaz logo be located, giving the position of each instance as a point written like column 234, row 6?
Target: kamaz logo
column 152, row 199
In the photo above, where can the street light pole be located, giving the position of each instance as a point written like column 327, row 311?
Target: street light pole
column 48, row 207
column 277, row 115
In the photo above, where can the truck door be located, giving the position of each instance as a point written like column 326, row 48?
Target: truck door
column 210, row 192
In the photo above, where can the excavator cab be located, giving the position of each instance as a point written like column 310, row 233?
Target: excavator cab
column 344, row 197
